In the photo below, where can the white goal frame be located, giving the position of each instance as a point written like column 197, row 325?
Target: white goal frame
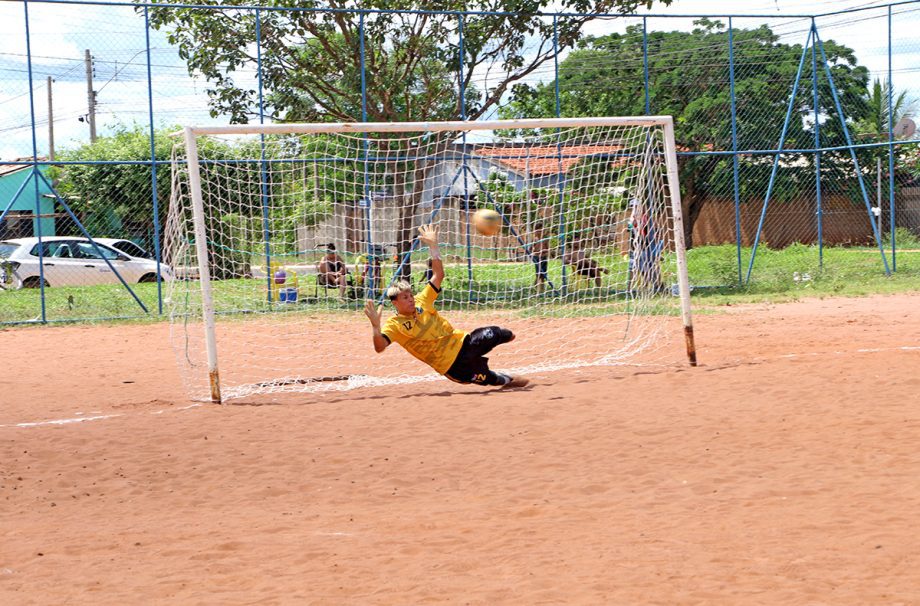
column 194, row 178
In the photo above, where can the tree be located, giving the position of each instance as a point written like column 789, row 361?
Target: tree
column 311, row 65
column 122, row 189
column 109, row 187
column 689, row 79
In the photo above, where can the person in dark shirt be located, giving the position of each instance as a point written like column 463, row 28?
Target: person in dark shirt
column 539, row 253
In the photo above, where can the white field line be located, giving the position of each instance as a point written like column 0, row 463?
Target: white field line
column 73, row 420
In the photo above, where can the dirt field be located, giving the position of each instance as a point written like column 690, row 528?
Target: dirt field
column 784, row 470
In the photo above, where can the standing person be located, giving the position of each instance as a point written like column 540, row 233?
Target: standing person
column 645, row 248
column 368, row 270
column 421, row 330
column 331, row 271
column 539, row 253
column 429, row 273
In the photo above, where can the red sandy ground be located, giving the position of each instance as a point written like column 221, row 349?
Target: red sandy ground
column 758, row 478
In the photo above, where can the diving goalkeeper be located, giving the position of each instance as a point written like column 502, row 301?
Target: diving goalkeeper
column 418, row 327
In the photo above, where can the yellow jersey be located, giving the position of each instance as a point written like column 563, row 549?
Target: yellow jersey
column 426, row 335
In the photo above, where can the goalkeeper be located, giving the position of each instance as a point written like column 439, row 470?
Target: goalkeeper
column 419, row 328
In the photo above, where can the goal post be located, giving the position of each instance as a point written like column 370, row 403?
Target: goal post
column 201, row 256
column 677, row 216
column 288, row 228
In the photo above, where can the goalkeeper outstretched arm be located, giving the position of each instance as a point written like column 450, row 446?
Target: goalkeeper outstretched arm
column 373, row 313
column 428, row 235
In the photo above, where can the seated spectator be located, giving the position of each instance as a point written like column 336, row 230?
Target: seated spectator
column 331, row 271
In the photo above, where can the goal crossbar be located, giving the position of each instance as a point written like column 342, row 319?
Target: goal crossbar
column 385, row 127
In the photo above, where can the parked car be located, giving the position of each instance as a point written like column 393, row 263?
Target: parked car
column 70, row 261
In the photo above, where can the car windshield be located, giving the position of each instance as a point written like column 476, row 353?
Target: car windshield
column 132, row 249
column 7, row 249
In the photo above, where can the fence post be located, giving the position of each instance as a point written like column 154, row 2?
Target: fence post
column 266, row 227
column 846, row 131
column 38, row 210
column 466, row 191
column 153, row 167
column 778, row 153
column 648, row 100
column 735, row 180
column 819, row 209
column 368, row 203
column 894, row 258
column 560, row 183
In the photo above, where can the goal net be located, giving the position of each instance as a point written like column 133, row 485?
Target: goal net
column 279, row 233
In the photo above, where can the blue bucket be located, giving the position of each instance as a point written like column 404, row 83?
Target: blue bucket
column 287, row 295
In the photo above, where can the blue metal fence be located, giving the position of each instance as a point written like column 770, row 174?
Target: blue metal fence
column 746, row 200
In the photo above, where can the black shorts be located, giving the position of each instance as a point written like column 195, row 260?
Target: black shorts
column 471, row 365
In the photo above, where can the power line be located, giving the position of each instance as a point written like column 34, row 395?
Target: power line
column 38, row 87
column 115, row 75
column 182, row 67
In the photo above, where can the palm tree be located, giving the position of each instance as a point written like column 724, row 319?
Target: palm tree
column 875, row 125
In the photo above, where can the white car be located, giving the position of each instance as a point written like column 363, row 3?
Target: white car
column 70, row 261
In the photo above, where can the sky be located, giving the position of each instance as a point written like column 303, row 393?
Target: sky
column 59, row 34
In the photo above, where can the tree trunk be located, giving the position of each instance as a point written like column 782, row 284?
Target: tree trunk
column 406, row 224
column 693, row 198
column 407, row 212
column 692, row 203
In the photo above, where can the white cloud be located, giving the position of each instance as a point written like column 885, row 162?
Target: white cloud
column 49, row 28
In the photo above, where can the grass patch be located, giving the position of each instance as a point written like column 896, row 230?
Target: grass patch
column 798, row 271
column 792, row 273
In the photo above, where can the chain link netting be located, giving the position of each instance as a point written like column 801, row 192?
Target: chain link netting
column 782, row 126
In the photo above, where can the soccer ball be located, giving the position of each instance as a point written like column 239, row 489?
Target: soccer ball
column 487, row 222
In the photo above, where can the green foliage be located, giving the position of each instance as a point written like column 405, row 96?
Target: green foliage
column 124, row 188
column 689, row 79
column 311, row 69
column 904, row 239
column 874, row 125
column 499, row 191
column 231, row 245
column 104, row 194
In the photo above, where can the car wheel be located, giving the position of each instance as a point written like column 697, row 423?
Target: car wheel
column 34, row 282
column 148, row 278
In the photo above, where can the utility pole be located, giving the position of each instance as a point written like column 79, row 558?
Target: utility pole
column 50, row 122
column 91, row 97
